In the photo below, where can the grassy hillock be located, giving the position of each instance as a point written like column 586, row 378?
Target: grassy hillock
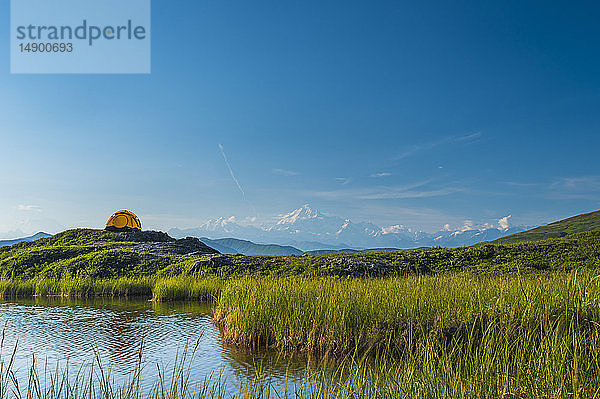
column 562, row 228
column 100, row 254
column 89, row 253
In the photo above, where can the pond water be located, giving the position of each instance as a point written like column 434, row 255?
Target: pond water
column 71, row 333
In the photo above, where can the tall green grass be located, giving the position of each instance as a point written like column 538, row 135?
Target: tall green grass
column 182, row 287
column 418, row 375
column 77, row 287
column 447, row 336
column 532, row 335
column 188, row 288
column 328, row 313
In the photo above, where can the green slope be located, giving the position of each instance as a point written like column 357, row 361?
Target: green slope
column 100, row 254
column 97, row 254
column 576, row 224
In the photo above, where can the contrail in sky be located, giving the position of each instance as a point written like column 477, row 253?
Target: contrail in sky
column 231, row 171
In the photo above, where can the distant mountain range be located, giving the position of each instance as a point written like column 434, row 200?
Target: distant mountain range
column 307, row 229
column 232, row 246
column 34, row 237
column 235, row 246
column 312, row 233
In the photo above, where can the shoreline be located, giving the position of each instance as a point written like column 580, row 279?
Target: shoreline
column 498, row 331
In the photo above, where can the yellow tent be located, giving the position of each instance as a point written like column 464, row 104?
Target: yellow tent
column 123, row 220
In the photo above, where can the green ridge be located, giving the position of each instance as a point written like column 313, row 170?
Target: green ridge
column 576, row 224
column 98, row 254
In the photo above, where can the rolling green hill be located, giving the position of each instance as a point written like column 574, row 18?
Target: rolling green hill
column 99, row 254
column 576, row 224
column 34, row 237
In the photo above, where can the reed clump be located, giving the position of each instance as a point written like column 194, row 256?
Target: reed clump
column 325, row 314
column 79, row 287
column 188, row 288
column 538, row 330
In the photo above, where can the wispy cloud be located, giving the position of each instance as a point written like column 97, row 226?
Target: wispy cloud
column 401, row 194
column 521, row 184
column 231, row 170
column 563, row 188
column 284, row 172
column 471, row 137
column 396, row 192
column 29, row 208
column 382, row 174
column 343, row 180
column 467, row 137
column 577, row 187
column 579, row 183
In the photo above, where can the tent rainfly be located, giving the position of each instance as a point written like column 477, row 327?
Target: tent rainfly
column 123, row 220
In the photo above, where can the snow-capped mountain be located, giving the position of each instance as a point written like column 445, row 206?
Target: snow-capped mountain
column 299, row 215
column 306, row 224
column 219, row 228
column 308, row 229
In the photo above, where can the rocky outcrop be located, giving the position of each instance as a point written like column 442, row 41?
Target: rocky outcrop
column 341, row 266
column 186, row 246
column 135, row 235
column 358, row 267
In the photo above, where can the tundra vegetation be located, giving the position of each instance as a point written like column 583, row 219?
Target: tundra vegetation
column 494, row 320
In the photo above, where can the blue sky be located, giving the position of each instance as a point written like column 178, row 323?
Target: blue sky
column 416, row 113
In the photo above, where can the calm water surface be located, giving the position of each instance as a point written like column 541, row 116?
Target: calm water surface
column 69, row 332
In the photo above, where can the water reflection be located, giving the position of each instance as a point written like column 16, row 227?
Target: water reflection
column 57, row 329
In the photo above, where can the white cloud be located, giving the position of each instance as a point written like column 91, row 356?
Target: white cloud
column 29, row 208
column 382, row 174
column 284, row 172
column 343, row 180
column 503, row 223
column 466, row 138
column 467, row 225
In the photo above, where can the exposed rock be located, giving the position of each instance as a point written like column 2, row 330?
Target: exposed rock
column 343, row 266
column 135, row 235
column 186, row 246
column 358, row 267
